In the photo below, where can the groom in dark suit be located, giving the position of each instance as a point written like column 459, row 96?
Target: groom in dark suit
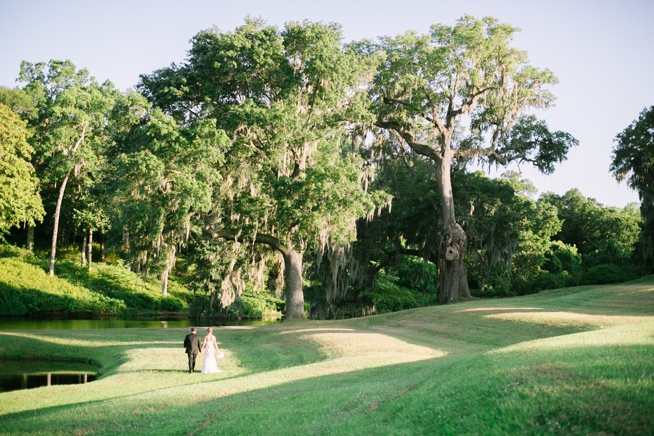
column 193, row 346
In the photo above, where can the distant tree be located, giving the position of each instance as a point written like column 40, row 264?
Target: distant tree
column 21, row 104
column 69, row 127
column 576, row 213
column 462, row 93
column 20, row 201
column 633, row 161
column 600, row 234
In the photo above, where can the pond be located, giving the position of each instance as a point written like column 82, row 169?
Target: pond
column 28, row 375
column 117, row 323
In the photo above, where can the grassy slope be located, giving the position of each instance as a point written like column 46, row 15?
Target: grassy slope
column 26, row 288
column 572, row 361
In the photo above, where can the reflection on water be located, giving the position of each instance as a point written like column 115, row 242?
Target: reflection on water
column 29, row 381
column 115, row 323
column 36, row 373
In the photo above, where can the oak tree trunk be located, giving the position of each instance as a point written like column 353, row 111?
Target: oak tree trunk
column 293, row 284
column 452, row 271
column 60, row 199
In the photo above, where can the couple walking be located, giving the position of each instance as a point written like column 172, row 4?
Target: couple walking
column 194, row 345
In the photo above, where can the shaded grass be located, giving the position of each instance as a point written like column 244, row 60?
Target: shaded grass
column 575, row 361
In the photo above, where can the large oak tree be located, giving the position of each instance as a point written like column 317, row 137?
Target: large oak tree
column 284, row 98
column 463, row 93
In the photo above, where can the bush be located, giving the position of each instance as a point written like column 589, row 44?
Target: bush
column 250, row 305
column 26, row 290
column 116, row 282
column 544, row 280
column 111, row 282
column 608, row 273
column 255, row 306
column 388, row 297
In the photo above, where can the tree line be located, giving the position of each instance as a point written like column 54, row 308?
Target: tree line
column 290, row 162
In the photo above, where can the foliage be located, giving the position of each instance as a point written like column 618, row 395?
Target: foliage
column 390, row 297
column 588, row 225
column 116, row 282
column 160, row 175
column 562, row 257
column 251, row 305
column 609, row 273
column 19, row 198
column 633, row 155
column 73, row 111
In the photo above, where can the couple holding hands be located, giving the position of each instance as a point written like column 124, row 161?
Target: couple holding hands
column 194, row 345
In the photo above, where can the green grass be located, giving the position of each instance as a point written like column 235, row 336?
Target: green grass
column 570, row 361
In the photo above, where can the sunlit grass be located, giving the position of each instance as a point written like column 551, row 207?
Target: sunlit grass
column 575, row 361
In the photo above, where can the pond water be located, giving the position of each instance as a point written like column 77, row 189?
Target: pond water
column 116, row 323
column 28, row 375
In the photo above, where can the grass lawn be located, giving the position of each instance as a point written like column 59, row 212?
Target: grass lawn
column 571, row 361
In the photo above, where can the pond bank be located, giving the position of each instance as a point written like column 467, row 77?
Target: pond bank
column 113, row 323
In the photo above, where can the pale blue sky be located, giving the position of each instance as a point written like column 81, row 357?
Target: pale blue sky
column 602, row 52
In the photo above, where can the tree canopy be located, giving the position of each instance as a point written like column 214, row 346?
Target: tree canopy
column 633, row 161
column 20, row 201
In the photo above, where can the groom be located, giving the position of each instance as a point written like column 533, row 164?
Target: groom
column 193, row 346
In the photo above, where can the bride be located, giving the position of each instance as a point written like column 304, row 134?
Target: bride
column 211, row 347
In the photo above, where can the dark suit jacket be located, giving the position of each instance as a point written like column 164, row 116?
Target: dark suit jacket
column 193, row 343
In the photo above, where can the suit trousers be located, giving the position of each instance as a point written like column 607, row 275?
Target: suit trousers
column 191, row 361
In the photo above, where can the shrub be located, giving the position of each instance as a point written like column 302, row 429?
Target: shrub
column 250, row 305
column 608, row 273
column 111, row 282
column 26, row 289
column 389, row 297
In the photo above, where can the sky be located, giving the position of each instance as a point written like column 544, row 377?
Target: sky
column 601, row 51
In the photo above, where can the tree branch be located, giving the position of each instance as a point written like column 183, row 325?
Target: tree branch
column 421, row 149
column 271, row 241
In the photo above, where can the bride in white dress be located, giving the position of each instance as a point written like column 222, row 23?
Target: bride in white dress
column 209, row 345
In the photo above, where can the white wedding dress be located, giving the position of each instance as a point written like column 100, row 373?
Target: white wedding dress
column 209, row 366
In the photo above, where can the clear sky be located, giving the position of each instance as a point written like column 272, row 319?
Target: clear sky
column 602, row 51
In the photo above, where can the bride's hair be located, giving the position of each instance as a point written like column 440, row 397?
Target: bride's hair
column 209, row 330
